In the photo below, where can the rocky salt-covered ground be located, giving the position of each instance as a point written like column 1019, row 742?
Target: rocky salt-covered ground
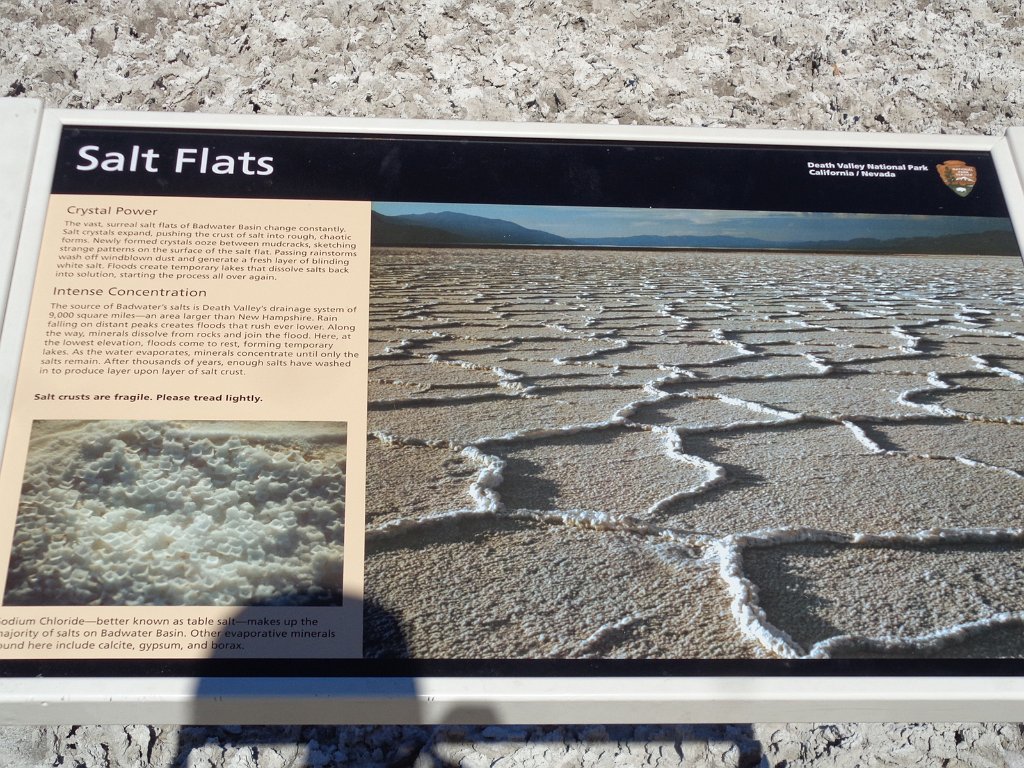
column 874, row 65
column 593, row 746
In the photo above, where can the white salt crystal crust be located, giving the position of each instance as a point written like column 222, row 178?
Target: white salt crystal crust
column 180, row 513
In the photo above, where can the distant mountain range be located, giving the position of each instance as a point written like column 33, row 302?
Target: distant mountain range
column 460, row 229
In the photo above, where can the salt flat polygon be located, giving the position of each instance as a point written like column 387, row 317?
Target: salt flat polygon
column 407, row 369
column 479, row 418
column 700, row 411
column 484, row 587
column 817, row 591
column 993, row 443
column 759, row 365
column 836, row 396
column 544, row 370
column 983, row 396
column 415, row 480
column 585, row 471
column 819, row 476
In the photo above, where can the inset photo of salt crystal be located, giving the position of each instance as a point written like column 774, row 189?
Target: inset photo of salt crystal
column 212, row 513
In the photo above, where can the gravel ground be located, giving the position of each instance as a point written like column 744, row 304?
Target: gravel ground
column 876, row 65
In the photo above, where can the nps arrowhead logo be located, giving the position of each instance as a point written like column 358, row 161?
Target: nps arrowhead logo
column 958, row 176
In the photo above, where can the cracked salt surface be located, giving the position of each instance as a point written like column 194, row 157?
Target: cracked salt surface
column 738, row 456
column 180, row 513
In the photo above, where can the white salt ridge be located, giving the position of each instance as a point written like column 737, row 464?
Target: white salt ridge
column 971, row 316
column 595, row 520
column 387, row 438
column 750, row 405
column 986, row 332
column 935, row 383
column 526, row 435
column 928, row 537
column 967, row 461
column 412, row 526
column 599, row 641
column 714, row 474
column 483, row 488
column 511, row 380
column 617, row 345
column 818, row 363
column 490, row 477
column 863, row 439
column 909, row 340
column 799, row 322
column 983, row 364
column 622, row 415
column 669, row 310
column 654, row 386
column 750, row 618
column 682, row 373
column 397, row 350
column 718, row 336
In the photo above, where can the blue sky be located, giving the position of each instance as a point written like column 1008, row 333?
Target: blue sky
column 772, row 226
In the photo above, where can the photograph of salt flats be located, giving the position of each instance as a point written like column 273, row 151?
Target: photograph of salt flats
column 211, row 513
column 684, row 453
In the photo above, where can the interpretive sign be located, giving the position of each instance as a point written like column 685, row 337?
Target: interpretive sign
column 337, row 414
